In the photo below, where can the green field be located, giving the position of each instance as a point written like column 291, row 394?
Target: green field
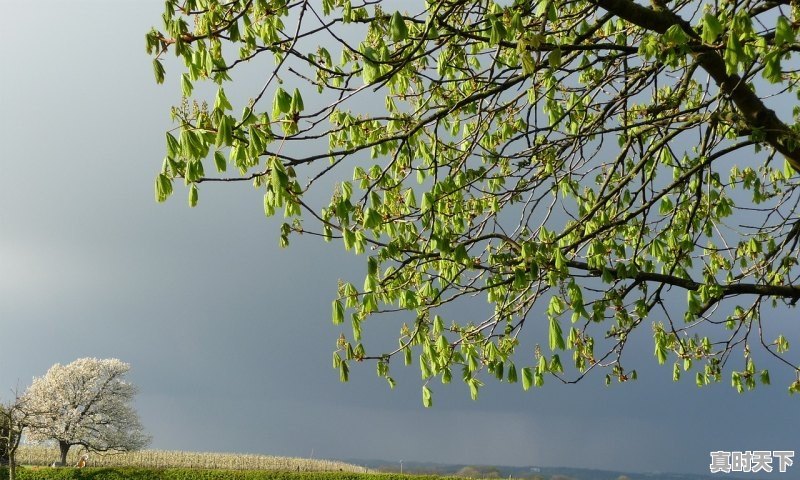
column 140, row 473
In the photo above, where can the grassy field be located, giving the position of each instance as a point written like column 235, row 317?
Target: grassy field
column 132, row 473
column 161, row 459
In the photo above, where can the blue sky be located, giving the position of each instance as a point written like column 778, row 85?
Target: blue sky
column 229, row 337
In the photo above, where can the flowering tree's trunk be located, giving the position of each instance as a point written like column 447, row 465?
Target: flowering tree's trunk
column 12, row 468
column 64, row 447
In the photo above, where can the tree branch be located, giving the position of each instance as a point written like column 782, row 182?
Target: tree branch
column 776, row 133
column 784, row 291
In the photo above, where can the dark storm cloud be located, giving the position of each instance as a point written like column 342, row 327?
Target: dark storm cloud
column 229, row 336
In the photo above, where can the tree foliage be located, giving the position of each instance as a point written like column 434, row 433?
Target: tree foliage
column 14, row 419
column 87, row 403
column 588, row 167
column 5, row 435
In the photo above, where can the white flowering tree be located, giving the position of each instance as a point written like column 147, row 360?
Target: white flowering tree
column 86, row 403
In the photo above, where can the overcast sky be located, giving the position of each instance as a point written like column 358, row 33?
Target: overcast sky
column 229, row 337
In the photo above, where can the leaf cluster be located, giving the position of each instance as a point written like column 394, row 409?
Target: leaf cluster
column 575, row 169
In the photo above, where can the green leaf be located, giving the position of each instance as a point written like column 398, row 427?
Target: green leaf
column 173, row 147
column 371, row 69
column 282, row 103
column 512, row 373
column 474, row 386
column 337, row 360
column 712, row 28
column 221, row 101
column 538, row 379
column 772, row 71
column 220, row 162
column 542, row 367
column 497, row 32
column 193, row 195
column 660, row 350
column 186, row 85
column 528, row 63
column 398, row 28
column 337, row 312
column 527, row 378
column 556, row 335
column 734, row 54
column 666, row 207
column 555, row 58
column 297, row 102
column 163, row 187
column 372, row 219
column 224, row 134
column 424, row 367
column 447, row 375
column 784, row 33
column 693, row 301
column 675, row 35
column 158, row 71
column 427, row 399
column 555, row 364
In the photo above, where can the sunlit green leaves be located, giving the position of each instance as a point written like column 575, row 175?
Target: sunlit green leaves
column 527, row 378
column 296, row 105
column 338, row 312
column 781, row 344
column 158, row 71
column 193, row 195
column 371, row 68
column 505, row 161
column 173, row 147
column 784, row 32
column 660, row 347
column 221, row 101
column 772, row 67
column 712, row 28
column 281, row 103
column 398, row 28
column 474, row 387
column 186, row 85
column 675, row 36
column 372, row 219
column 556, row 336
column 163, row 187
column 427, row 396
column 224, row 135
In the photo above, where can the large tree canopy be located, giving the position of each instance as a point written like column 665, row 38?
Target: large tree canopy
column 591, row 166
column 87, row 402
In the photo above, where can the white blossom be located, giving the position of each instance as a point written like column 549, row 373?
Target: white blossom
column 87, row 403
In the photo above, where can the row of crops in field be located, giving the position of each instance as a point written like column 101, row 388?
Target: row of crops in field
column 43, row 456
